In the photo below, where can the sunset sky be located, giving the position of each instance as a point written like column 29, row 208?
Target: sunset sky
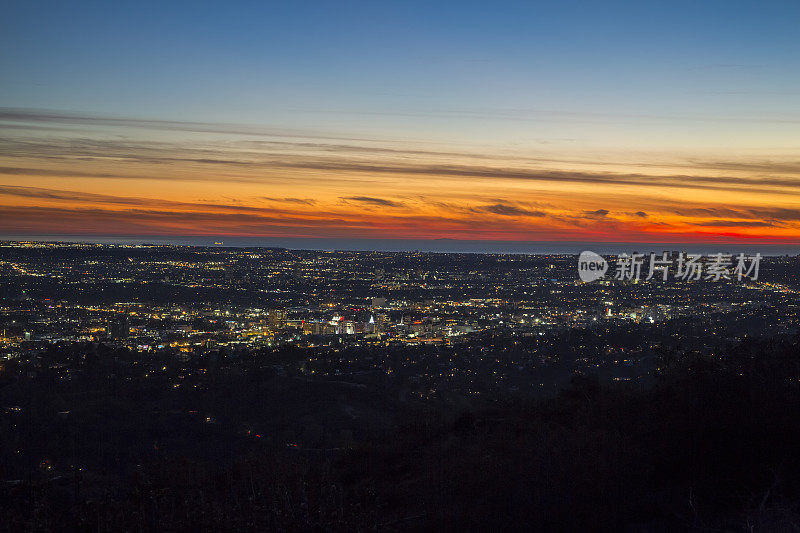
column 523, row 121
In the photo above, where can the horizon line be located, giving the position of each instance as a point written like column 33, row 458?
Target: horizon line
column 440, row 245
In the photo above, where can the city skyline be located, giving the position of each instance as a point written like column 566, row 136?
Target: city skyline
column 400, row 266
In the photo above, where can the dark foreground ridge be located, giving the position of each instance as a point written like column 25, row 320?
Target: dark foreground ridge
column 712, row 446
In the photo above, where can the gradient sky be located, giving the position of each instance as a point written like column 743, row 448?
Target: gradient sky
column 532, row 121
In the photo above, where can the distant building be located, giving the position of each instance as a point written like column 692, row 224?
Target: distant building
column 276, row 318
column 381, row 322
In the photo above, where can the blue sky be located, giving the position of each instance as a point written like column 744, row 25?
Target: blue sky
column 258, row 61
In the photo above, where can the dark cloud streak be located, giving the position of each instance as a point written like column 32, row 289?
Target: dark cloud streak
column 372, row 201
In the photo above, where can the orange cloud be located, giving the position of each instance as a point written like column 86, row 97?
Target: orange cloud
column 289, row 184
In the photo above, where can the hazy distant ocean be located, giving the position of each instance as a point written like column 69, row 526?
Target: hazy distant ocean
column 436, row 245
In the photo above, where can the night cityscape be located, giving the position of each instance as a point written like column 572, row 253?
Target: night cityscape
column 138, row 378
column 400, row 266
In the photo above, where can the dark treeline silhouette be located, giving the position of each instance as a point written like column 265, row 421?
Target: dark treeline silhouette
column 714, row 445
